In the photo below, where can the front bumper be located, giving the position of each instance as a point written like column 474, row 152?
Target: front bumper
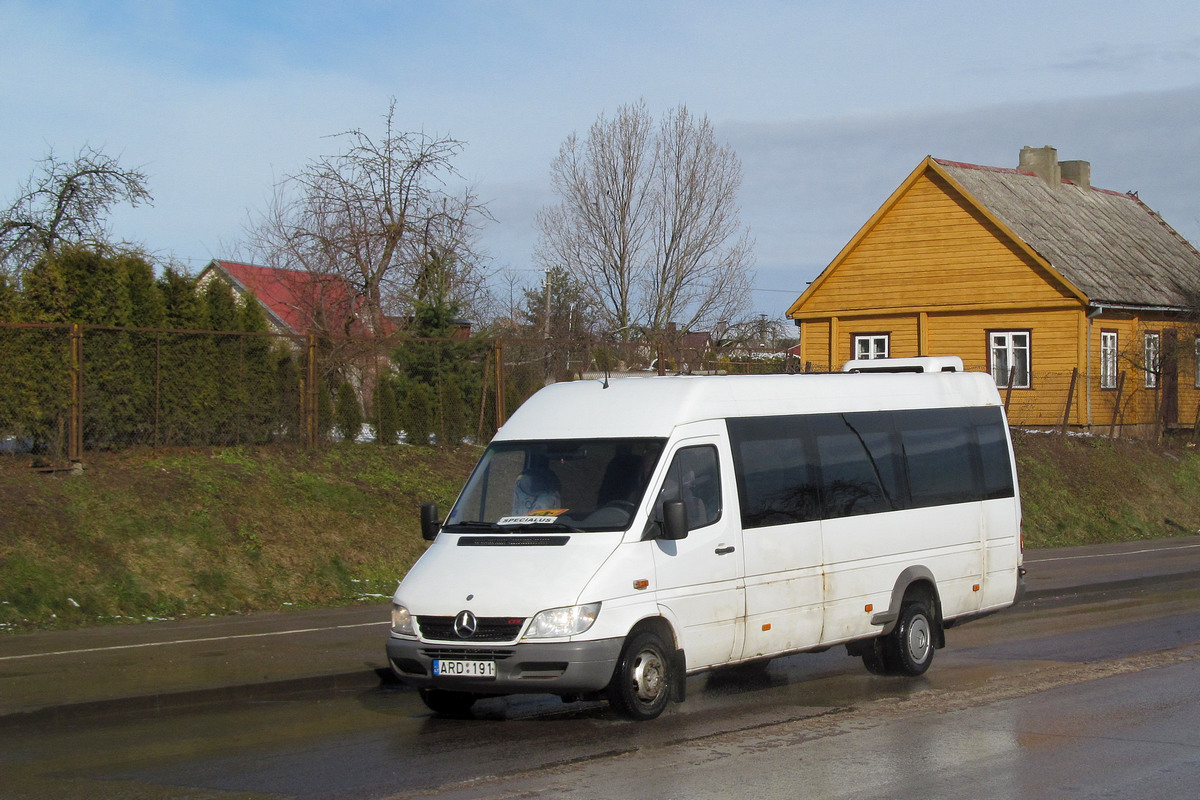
column 526, row 667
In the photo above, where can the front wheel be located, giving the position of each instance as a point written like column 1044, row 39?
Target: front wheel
column 642, row 683
column 909, row 648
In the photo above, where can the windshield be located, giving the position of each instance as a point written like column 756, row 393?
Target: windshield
column 568, row 484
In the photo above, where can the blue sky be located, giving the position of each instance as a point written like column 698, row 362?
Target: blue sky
column 829, row 105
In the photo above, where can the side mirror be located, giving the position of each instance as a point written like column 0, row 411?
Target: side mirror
column 675, row 521
column 429, row 522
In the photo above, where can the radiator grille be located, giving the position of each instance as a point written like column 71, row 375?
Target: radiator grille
column 488, row 629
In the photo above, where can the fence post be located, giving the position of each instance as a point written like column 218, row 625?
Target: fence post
column 75, row 415
column 157, row 386
column 1070, row 398
column 483, row 390
column 1012, row 376
column 501, row 411
column 311, row 395
column 1196, row 426
column 1112, row 426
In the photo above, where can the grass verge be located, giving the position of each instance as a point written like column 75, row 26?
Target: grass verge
column 150, row 535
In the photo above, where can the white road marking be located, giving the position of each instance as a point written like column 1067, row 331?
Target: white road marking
column 1114, row 555
column 191, row 641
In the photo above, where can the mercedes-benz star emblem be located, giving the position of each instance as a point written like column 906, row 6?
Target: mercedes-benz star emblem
column 465, row 624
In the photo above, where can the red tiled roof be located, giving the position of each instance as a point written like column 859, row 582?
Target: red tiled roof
column 296, row 300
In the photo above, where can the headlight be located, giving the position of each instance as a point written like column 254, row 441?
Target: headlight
column 563, row 621
column 402, row 621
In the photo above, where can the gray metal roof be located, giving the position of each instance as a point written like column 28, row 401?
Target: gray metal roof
column 1111, row 246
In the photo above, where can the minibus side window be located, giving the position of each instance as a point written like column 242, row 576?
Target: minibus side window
column 938, row 449
column 993, row 452
column 854, row 480
column 883, row 446
column 775, row 480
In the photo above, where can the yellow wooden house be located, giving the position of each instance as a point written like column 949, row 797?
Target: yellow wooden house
column 1081, row 302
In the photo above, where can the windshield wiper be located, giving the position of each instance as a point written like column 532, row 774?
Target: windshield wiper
column 481, row 525
column 477, row 524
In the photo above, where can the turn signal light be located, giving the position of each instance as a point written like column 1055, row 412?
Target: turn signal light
column 641, row 583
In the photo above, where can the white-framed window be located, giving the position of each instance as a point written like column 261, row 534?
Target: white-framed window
column 1009, row 353
column 1108, row 359
column 1151, row 350
column 871, row 345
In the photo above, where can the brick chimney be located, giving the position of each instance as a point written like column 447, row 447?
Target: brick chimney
column 1077, row 172
column 1043, row 162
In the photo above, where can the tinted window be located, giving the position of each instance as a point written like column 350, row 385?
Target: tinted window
column 993, row 452
column 850, row 479
column 776, row 483
column 800, row 468
column 937, row 446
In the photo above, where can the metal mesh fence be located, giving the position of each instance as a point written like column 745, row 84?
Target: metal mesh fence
column 65, row 389
column 35, row 388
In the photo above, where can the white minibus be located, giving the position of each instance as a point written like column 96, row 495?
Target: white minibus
column 617, row 536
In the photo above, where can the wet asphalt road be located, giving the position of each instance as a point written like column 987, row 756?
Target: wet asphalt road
column 1015, row 707
column 1076, row 694
column 189, row 662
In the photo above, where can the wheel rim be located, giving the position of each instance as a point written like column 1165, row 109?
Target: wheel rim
column 649, row 676
column 919, row 640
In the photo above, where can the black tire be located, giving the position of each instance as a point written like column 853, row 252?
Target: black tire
column 447, row 703
column 644, row 679
column 909, row 648
column 875, row 659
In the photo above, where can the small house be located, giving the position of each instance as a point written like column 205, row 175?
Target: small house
column 1081, row 302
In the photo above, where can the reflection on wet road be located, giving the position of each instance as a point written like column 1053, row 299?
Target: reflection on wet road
column 1095, row 698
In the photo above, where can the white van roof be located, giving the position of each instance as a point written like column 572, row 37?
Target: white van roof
column 653, row 406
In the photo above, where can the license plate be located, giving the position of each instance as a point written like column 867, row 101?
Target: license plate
column 464, row 669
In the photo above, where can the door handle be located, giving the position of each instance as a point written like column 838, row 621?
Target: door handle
column 724, row 551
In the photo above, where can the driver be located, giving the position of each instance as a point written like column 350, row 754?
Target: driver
column 536, row 488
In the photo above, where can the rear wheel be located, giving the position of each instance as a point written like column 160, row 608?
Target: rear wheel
column 643, row 681
column 909, row 648
column 447, row 703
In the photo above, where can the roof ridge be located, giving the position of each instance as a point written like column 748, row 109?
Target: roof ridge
column 982, row 167
column 1017, row 171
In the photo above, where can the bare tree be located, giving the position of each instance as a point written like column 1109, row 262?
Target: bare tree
column 66, row 202
column 648, row 222
column 373, row 215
